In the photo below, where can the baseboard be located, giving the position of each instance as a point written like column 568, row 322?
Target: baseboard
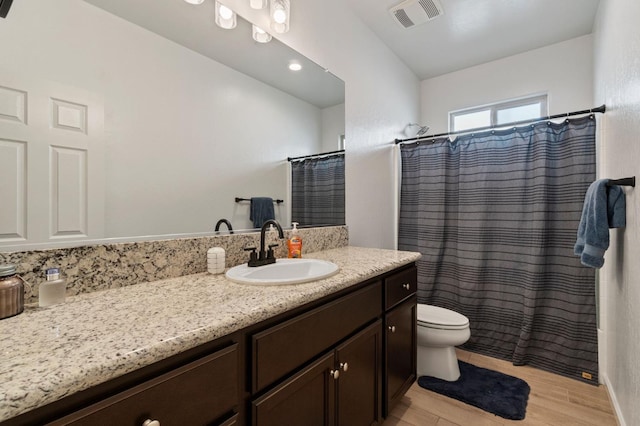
column 614, row 401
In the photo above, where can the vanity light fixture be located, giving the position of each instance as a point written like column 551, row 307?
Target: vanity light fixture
column 194, row 1
column 279, row 12
column 260, row 35
column 225, row 17
column 257, row 4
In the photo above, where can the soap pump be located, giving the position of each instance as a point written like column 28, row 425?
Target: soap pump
column 52, row 291
column 295, row 243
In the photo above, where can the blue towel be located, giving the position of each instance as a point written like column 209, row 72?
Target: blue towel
column 261, row 210
column 604, row 208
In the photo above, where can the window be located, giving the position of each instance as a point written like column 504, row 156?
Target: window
column 498, row 113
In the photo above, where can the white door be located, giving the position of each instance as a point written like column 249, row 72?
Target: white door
column 51, row 162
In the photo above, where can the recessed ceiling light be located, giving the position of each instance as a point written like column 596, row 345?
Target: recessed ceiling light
column 295, row 66
column 194, row 1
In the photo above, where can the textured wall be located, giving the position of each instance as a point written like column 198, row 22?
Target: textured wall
column 617, row 84
column 563, row 70
column 382, row 96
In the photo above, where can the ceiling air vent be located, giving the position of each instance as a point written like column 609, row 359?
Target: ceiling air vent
column 410, row 13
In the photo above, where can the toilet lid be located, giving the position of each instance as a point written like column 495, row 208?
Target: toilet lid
column 436, row 317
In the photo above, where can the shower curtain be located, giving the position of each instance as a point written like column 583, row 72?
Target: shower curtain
column 495, row 216
column 317, row 191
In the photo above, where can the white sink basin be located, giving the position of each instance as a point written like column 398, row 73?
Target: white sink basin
column 284, row 271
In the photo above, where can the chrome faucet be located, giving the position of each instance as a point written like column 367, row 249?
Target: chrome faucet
column 226, row 222
column 265, row 257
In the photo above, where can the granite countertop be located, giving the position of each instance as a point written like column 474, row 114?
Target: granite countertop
column 49, row 353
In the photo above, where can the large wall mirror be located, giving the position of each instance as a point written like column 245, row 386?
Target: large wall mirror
column 122, row 119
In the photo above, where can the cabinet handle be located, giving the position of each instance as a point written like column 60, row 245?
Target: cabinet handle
column 150, row 422
column 392, row 328
column 335, row 374
column 406, row 286
column 344, row 366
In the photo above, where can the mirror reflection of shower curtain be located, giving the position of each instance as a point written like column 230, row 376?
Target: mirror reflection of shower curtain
column 317, row 191
column 495, row 216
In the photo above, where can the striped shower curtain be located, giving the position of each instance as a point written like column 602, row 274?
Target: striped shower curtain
column 317, row 191
column 495, row 216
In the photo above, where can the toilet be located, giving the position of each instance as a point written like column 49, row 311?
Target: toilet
column 439, row 331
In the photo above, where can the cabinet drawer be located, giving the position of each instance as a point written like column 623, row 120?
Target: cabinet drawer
column 202, row 392
column 400, row 286
column 280, row 350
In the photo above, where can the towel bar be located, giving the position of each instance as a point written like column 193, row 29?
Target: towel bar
column 630, row 181
column 238, row 199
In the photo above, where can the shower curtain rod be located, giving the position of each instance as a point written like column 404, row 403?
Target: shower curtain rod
column 323, row 154
column 601, row 109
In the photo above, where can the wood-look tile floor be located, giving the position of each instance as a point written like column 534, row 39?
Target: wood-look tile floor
column 554, row 400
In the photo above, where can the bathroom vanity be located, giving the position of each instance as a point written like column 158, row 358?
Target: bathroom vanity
column 203, row 350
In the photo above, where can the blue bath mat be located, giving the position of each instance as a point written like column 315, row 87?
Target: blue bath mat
column 500, row 394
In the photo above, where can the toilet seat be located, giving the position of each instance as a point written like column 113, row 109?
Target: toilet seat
column 441, row 318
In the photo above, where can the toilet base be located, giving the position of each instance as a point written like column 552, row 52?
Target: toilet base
column 440, row 362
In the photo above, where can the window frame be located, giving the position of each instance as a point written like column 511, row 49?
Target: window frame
column 493, row 108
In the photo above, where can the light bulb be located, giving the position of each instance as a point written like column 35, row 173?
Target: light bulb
column 225, row 17
column 225, row 12
column 257, row 4
column 280, row 16
column 260, row 35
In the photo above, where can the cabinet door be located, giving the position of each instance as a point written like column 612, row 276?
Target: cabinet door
column 306, row 398
column 281, row 349
column 400, row 351
column 202, row 392
column 360, row 383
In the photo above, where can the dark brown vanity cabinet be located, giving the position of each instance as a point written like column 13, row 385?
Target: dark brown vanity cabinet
column 203, row 392
column 400, row 328
column 341, row 387
column 343, row 360
column 323, row 366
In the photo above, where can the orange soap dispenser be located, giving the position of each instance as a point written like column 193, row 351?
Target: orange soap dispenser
column 295, row 243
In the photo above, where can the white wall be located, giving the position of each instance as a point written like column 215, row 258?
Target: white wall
column 382, row 96
column 617, row 84
column 184, row 134
column 564, row 71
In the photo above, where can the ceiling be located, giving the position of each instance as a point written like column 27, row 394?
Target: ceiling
column 472, row 32
column 192, row 26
